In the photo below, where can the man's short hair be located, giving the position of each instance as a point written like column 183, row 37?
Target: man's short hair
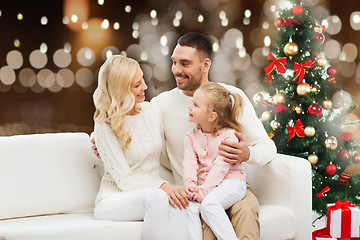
column 197, row 40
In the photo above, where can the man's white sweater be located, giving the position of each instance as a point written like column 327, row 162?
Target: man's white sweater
column 174, row 109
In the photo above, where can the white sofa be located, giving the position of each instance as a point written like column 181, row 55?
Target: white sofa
column 48, row 184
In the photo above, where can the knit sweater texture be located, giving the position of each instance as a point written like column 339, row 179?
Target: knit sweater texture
column 137, row 166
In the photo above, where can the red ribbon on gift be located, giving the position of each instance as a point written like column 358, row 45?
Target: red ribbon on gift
column 345, row 216
column 296, row 129
column 321, row 193
column 287, row 22
column 300, row 70
column 280, row 64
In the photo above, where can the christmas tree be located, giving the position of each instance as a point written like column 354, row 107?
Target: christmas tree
column 303, row 109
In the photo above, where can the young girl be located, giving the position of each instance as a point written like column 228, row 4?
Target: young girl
column 128, row 138
column 212, row 184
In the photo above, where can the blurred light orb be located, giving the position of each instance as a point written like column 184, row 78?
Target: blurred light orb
column 7, row 75
column 222, row 14
column 94, row 33
column 233, row 38
column 200, row 18
column 20, row 16
column 332, row 49
column 43, row 47
column 348, row 69
column 144, row 56
column 101, row 2
column 105, row 24
column 84, row 77
column 67, row 47
column 335, row 24
column 351, row 52
column 116, row 26
column 61, row 58
column 341, row 99
column 153, row 13
column 128, row 8
column 16, row 43
column 109, row 51
column 86, row 56
column 65, row 78
column 27, row 77
column 45, row 78
column 267, row 41
column 355, row 20
column 247, row 13
column 38, row 59
column 43, row 20
column 178, row 15
column 14, row 59
column 84, row 25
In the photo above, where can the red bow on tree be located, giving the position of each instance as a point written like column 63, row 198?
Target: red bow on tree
column 321, row 193
column 300, row 70
column 345, row 136
column 280, row 108
column 296, row 129
column 279, row 63
column 287, row 22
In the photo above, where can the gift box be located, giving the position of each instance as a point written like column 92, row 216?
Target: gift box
column 343, row 220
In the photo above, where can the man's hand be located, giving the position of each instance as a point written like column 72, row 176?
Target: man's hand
column 233, row 152
column 176, row 195
column 94, row 148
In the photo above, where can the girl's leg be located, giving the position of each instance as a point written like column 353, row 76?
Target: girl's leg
column 149, row 205
column 216, row 202
column 194, row 228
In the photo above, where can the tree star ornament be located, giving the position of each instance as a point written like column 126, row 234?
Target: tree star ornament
column 297, row 129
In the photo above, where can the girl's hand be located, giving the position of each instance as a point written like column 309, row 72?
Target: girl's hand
column 197, row 197
column 190, row 189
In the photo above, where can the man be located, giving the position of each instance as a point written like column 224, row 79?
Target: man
column 191, row 62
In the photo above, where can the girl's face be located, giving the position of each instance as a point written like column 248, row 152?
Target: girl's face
column 199, row 109
column 138, row 86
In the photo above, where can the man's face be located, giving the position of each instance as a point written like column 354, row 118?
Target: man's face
column 187, row 68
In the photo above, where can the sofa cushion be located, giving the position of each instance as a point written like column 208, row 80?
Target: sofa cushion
column 276, row 222
column 69, row 227
column 46, row 174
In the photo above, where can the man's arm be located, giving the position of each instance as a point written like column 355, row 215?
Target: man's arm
column 255, row 146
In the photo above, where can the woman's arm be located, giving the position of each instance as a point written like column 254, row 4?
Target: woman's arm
column 111, row 153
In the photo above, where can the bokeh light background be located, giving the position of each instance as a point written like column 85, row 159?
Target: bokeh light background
column 51, row 51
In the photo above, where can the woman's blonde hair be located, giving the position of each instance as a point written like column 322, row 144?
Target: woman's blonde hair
column 113, row 97
column 227, row 105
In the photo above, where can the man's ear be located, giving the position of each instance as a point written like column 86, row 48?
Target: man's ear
column 206, row 65
column 212, row 116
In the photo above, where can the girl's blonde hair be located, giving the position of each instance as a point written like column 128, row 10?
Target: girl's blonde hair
column 227, row 105
column 112, row 97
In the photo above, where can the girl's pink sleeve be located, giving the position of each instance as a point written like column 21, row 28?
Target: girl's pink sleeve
column 190, row 164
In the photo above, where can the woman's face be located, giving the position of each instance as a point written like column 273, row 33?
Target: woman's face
column 138, row 86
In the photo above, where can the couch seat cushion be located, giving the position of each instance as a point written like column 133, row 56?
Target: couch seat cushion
column 276, row 222
column 69, row 227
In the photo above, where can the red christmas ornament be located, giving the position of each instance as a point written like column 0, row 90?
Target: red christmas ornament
column 320, row 37
column 315, row 109
column 297, row 10
column 345, row 154
column 331, row 71
column 330, row 169
column 357, row 159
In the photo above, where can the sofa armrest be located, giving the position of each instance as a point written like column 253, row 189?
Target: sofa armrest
column 285, row 181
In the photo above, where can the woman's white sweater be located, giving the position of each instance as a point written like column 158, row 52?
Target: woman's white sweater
column 138, row 166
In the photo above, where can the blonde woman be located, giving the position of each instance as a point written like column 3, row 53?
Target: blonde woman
column 128, row 138
column 212, row 184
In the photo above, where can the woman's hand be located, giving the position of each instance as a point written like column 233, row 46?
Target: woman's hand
column 176, row 195
column 233, row 152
